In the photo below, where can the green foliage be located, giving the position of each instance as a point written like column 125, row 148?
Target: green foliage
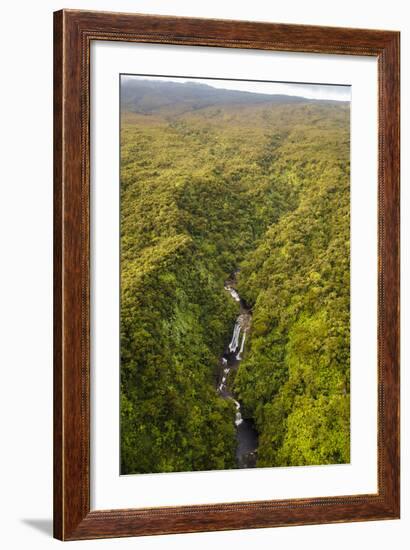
column 295, row 378
column 263, row 187
column 169, row 342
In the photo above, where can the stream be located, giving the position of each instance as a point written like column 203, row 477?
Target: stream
column 246, row 434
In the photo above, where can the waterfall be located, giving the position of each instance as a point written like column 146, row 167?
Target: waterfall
column 238, row 418
column 238, row 357
column 233, row 293
column 235, row 337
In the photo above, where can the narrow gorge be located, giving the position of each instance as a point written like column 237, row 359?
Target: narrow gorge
column 246, row 434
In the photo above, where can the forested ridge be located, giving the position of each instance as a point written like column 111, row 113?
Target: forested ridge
column 209, row 187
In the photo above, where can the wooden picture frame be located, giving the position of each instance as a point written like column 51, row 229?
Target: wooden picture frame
column 74, row 32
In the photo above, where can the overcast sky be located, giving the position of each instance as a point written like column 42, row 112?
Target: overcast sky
column 310, row 91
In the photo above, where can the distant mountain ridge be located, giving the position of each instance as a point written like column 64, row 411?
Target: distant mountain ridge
column 149, row 96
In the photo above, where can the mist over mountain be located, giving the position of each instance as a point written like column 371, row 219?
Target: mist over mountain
column 150, row 96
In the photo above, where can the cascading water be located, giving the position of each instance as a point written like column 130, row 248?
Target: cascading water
column 247, row 437
column 233, row 293
column 238, row 418
column 239, row 355
column 235, row 337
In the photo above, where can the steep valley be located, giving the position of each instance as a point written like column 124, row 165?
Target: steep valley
column 258, row 188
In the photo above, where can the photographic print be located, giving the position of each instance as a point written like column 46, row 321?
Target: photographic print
column 235, row 274
column 226, row 275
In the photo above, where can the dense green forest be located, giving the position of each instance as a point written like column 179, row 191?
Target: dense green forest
column 213, row 183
